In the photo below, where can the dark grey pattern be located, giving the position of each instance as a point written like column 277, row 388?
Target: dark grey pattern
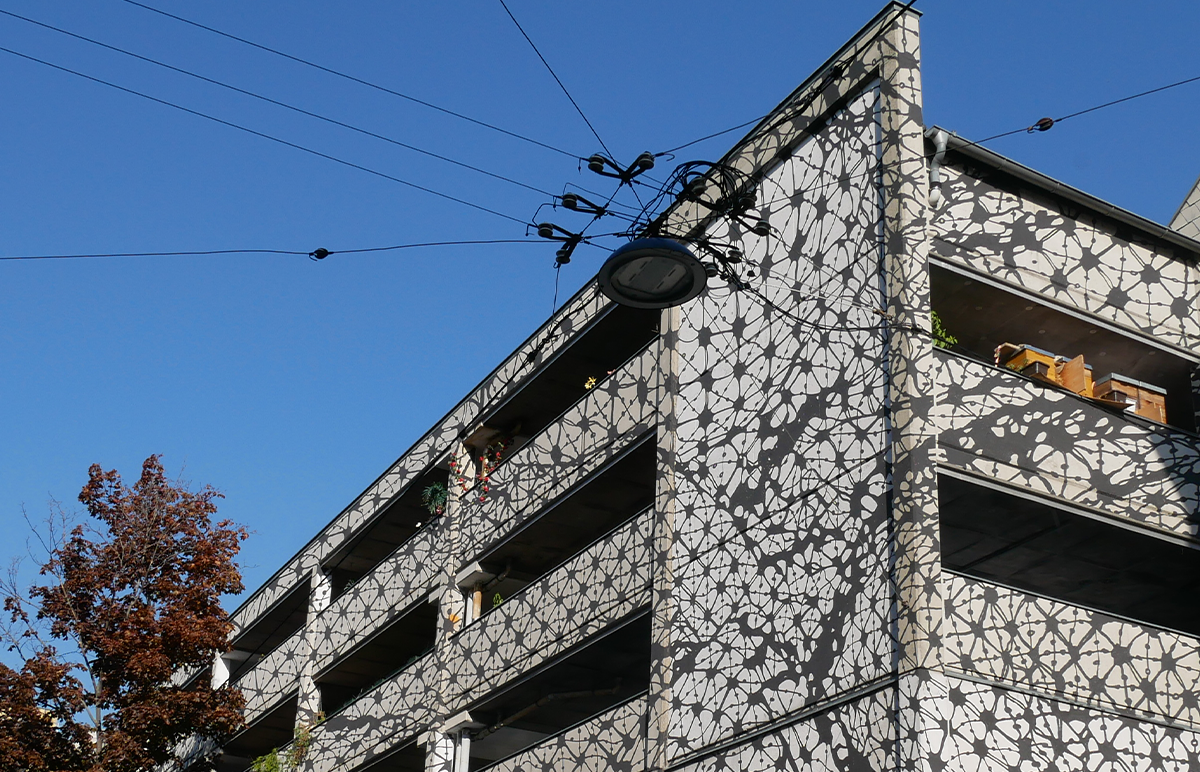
column 615, row 741
column 855, row 737
column 1187, row 219
column 558, row 331
column 406, row 576
column 385, row 717
column 768, row 408
column 598, row 587
column 611, row 416
column 800, row 617
column 275, row 678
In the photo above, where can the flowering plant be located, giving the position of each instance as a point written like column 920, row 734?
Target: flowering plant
column 489, row 460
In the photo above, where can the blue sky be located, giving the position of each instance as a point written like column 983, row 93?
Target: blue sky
column 290, row 384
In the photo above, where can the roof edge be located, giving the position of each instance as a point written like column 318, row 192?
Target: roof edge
column 976, row 152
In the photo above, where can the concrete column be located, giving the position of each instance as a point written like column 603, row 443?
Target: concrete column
column 915, row 548
column 308, row 708
column 662, row 621
column 452, row 608
column 439, row 751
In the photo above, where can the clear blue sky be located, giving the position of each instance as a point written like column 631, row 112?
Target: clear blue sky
column 290, row 384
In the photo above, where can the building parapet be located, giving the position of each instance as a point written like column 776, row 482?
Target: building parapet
column 1006, row 427
column 607, row 419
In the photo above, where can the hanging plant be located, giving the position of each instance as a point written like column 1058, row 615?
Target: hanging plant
column 456, row 471
column 434, row 499
column 489, row 460
column 299, row 747
column 268, row 762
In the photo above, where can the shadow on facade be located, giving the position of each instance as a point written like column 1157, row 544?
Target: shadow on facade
column 982, row 317
column 273, row 730
column 268, row 631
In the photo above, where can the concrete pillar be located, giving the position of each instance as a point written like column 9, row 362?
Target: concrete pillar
column 915, row 559
column 439, row 751
column 308, row 708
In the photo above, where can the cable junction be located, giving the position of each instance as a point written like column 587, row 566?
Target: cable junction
column 317, row 254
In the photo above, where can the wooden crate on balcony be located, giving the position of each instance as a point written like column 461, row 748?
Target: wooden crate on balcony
column 1072, row 374
column 1028, row 360
column 1139, row 398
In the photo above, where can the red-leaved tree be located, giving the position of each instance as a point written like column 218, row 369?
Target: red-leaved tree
column 132, row 601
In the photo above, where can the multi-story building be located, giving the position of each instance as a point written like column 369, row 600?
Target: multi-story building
column 787, row 526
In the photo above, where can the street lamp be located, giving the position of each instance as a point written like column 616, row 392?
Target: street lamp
column 652, row 273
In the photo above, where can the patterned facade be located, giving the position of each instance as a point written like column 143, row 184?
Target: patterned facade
column 785, row 530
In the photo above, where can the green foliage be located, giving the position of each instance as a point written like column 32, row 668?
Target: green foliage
column 299, row 748
column 497, row 600
column 434, row 498
column 268, row 762
column 941, row 338
column 293, row 754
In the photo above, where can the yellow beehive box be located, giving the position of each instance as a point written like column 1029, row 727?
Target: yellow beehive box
column 1071, row 374
column 1031, row 361
column 1144, row 399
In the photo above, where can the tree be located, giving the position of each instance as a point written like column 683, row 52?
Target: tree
column 134, row 599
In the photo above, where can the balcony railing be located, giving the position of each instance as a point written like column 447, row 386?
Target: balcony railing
column 377, row 722
column 615, row 739
column 1002, row 425
column 599, row 586
column 274, row 678
column 604, row 421
column 378, row 598
column 1054, row 648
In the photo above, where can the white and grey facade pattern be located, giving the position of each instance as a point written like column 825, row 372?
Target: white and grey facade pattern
column 784, row 530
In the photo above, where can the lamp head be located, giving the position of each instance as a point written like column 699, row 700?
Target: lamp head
column 652, row 273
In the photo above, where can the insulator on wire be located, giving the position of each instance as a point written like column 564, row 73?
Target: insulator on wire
column 545, row 230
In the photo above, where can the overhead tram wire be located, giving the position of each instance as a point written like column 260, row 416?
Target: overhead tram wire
column 256, row 133
column 278, row 103
column 1036, row 127
column 715, row 134
column 563, row 86
column 357, row 80
column 326, row 252
column 553, row 74
column 1045, row 124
